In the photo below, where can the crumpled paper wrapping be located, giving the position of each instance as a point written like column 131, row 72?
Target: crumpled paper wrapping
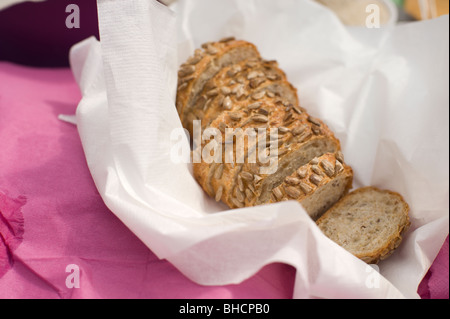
column 382, row 91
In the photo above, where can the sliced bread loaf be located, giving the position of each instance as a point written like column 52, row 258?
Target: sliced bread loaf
column 205, row 64
column 368, row 222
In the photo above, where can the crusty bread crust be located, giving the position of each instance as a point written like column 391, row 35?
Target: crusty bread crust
column 234, row 85
column 361, row 225
column 203, row 65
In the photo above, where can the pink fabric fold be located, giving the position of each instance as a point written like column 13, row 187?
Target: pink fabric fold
column 436, row 283
column 11, row 229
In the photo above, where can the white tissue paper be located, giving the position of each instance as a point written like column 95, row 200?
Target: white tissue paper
column 8, row 3
column 384, row 92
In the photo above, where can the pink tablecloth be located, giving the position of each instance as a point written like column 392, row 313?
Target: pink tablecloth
column 54, row 225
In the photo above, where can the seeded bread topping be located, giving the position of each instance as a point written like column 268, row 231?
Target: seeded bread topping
column 203, row 65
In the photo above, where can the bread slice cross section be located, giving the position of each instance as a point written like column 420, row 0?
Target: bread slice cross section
column 368, row 222
column 317, row 185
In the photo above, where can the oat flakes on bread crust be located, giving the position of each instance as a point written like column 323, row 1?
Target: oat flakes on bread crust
column 368, row 222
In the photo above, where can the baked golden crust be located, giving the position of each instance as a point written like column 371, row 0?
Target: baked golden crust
column 234, row 84
column 204, row 64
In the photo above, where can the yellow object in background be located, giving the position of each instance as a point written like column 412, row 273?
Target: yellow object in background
column 426, row 9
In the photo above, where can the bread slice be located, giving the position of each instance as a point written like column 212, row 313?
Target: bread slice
column 368, row 222
column 205, row 64
column 317, row 185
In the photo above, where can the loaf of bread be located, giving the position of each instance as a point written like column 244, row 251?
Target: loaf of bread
column 368, row 222
column 261, row 146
